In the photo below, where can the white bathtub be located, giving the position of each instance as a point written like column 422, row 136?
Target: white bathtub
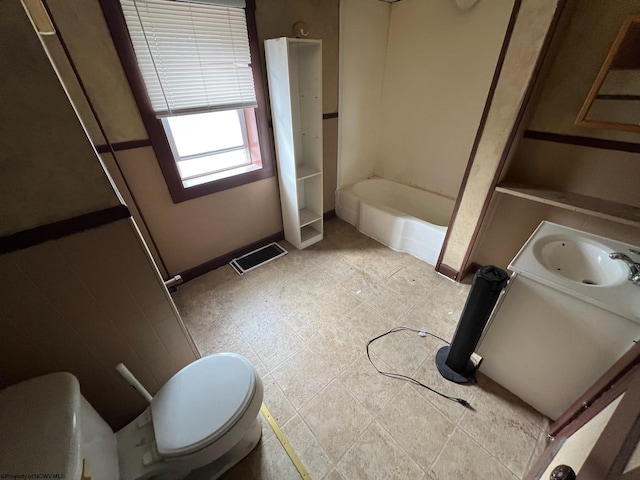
column 404, row 218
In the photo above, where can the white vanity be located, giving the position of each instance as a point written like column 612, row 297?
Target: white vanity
column 568, row 313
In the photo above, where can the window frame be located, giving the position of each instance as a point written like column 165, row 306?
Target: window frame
column 262, row 143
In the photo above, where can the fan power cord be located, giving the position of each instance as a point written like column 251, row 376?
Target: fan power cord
column 399, row 376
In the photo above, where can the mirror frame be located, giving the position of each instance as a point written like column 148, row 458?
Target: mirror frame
column 581, row 120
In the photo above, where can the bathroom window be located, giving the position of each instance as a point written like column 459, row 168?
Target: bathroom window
column 212, row 145
column 195, row 73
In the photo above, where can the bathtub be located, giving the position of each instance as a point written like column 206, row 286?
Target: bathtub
column 404, row 218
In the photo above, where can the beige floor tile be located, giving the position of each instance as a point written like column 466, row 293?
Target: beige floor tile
column 274, row 342
column 371, row 388
column 270, row 314
column 336, row 419
column 397, row 259
column 428, row 315
column 264, row 274
column 338, row 268
column 271, row 462
column 419, row 427
column 381, row 266
column 356, row 254
column 267, row 431
column 363, row 285
column 199, row 308
column 222, row 336
column 335, row 346
column 309, row 320
column 364, row 323
column 213, row 279
column 391, row 304
column 464, row 458
column 333, row 475
column 251, row 316
column 276, row 401
column 376, row 455
column 428, row 374
column 307, row 447
column 403, row 351
column 541, row 445
column 336, row 301
column 302, row 377
column 236, row 294
column 419, row 280
column 288, row 297
column 499, row 423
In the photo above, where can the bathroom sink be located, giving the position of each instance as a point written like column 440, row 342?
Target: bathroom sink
column 578, row 264
column 579, row 259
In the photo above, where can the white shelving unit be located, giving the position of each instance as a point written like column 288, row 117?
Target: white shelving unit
column 294, row 70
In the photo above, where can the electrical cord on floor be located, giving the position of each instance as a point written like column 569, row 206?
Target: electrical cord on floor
column 399, row 376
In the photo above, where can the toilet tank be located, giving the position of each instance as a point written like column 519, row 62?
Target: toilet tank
column 48, row 428
column 39, row 421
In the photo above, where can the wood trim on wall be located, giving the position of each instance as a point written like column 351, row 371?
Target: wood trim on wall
column 119, row 146
column 328, row 215
column 222, row 260
column 583, row 141
column 514, row 129
column 63, row 228
column 609, row 456
column 445, row 269
column 618, row 370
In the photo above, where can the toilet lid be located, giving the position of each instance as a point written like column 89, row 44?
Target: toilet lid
column 201, row 402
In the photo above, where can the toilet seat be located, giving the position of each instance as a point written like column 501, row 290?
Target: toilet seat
column 201, row 403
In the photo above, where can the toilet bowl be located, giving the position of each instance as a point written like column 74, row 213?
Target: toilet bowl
column 205, row 417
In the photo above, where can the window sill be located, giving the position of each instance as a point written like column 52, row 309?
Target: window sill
column 252, row 173
column 213, row 177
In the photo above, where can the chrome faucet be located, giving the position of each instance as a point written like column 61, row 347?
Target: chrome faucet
column 634, row 267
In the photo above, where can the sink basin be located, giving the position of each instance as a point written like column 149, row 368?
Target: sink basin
column 579, row 259
column 577, row 263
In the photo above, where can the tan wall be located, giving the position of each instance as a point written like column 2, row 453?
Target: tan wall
column 84, row 303
column 512, row 220
column 86, row 35
column 193, row 232
column 585, row 43
column 36, row 160
column 436, row 79
column 275, row 18
column 89, row 300
column 531, row 27
column 607, row 174
column 199, row 230
column 364, row 27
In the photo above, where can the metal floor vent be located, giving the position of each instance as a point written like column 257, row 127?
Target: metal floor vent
column 258, row 257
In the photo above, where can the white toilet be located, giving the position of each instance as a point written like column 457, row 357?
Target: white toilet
column 206, row 416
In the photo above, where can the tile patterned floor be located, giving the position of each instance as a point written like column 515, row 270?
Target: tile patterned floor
column 304, row 319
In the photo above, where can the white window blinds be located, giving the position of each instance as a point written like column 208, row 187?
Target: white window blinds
column 193, row 57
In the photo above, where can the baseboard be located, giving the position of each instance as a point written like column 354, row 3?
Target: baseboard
column 471, row 269
column 222, row 260
column 329, row 215
column 447, row 271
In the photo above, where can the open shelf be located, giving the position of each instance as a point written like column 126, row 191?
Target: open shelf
column 596, row 207
column 307, row 217
column 310, row 233
column 306, row 171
